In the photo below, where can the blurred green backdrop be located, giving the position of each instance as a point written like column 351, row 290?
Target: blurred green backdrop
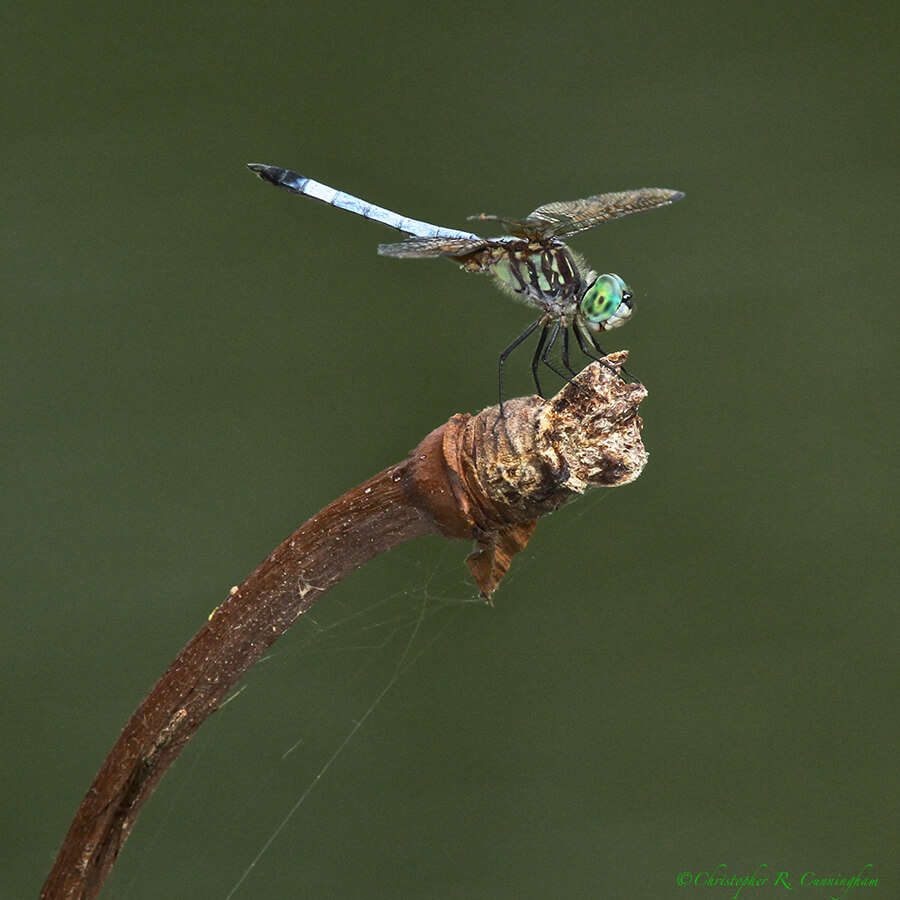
column 697, row 671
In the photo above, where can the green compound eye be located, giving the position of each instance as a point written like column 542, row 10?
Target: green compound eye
column 603, row 298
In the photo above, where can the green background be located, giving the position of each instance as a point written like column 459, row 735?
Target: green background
column 693, row 671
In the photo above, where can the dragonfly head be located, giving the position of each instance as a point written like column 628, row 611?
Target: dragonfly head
column 606, row 303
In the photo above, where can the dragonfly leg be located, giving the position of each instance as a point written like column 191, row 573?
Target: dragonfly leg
column 588, row 351
column 545, row 356
column 538, row 358
column 622, row 370
column 565, row 351
column 523, row 336
column 586, row 348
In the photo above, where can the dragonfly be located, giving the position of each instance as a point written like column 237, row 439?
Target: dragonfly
column 530, row 261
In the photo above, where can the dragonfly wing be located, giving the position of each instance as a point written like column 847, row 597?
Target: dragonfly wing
column 570, row 217
column 519, row 227
column 431, row 247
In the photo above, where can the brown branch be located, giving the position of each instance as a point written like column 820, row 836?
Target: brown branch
column 480, row 477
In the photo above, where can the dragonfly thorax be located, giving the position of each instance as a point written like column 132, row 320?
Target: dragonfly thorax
column 547, row 275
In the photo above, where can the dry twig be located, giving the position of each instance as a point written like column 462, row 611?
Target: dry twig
column 482, row 478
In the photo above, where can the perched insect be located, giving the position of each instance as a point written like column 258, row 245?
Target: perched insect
column 531, row 261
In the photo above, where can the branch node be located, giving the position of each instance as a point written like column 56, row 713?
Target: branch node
column 489, row 477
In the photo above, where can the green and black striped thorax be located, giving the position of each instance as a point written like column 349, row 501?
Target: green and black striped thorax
column 544, row 273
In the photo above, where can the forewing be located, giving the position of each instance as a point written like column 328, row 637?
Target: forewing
column 570, row 217
column 431, row 248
